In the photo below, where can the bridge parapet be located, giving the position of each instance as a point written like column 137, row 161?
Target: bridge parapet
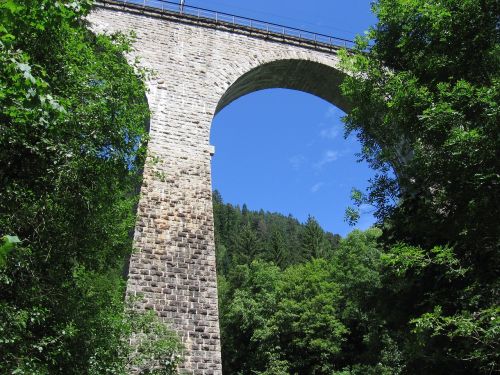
column 231, row 22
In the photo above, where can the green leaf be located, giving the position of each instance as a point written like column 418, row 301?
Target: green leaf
column 8, row 243
column 11, row 6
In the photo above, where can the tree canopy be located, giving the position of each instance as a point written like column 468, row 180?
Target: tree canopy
column 72, row 141
column 425, row 100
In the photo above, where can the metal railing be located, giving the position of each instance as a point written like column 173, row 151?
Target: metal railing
column 231, row 19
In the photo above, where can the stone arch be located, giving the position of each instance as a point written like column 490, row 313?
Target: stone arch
column 318, row 75
column 316, row 78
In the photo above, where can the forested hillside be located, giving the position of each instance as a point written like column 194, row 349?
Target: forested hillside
column 294, row 299
column 243, row 236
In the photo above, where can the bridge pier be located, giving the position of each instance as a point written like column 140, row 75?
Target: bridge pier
column 173, row 273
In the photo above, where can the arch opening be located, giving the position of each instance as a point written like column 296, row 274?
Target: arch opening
column 275, row 238
column 311, row 81
column 284, row 151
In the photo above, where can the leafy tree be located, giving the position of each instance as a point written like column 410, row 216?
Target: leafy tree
column 72, row 142
column 357, row 267
column 280, row 321
column 425, row 101
column 358, row 264
column 247, row 300
column 307, row 320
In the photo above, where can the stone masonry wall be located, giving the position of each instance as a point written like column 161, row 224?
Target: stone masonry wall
column 195, row 64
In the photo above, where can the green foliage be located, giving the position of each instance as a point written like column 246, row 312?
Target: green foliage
column 425, row 101
column 482, row 327
column 278, row 251
column 352, row 214
column 312, row 317
column 307, row 320
column 242, row 236
column 313, row 240
column 8, row 243
column 402, row 258
column 282, row 320
column 358, row 260
column 358, row 269
column 72, row 141
column 155, row 349
column 247, row 301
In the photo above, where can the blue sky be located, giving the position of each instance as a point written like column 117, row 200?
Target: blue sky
column 341, row 18
column 282, row 150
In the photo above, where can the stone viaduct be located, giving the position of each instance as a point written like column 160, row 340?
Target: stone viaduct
column 200, row 65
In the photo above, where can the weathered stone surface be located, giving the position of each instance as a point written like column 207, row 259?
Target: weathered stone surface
column 200, row 67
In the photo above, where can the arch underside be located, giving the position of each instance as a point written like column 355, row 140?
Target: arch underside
column 304, row 75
